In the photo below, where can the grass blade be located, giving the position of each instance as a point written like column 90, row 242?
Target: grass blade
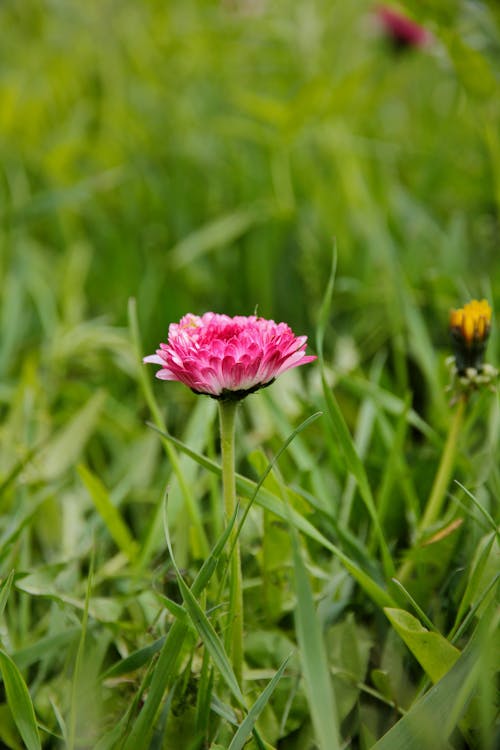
column 205, row 629
column 221, row 231
column 19, row 702
column 202, row 546
column 246, row 726
column 313, row 657
column 271, row 502
column 64, row 448
column 432, row 651
column 5, row 590
column 164, row 671
column 430, row 721
column 112, row 518
column 341, row 431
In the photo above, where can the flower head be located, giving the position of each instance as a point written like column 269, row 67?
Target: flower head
column 401, row 30
column 228, row 358
column 470, row 328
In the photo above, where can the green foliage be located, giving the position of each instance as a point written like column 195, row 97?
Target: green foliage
column 19, row 702
column 433, row 652
column 160, row 158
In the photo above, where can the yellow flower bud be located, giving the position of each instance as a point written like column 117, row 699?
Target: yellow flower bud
column 470, row 328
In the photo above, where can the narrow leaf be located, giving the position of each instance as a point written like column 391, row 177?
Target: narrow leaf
column 115, row 524
column 19, row 702
column 205, row 628
column 246, row 726
column 221, row 231
column 164, row 670
column 341, row 431
column 134, row 661
column 430, row 721
column 5, row 591
column 271, row 502
column 65, row 447
column 314, row 658
column 432, row 651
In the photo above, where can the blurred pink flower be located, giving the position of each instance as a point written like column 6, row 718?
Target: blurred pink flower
column 228, row 358
column 400, row 29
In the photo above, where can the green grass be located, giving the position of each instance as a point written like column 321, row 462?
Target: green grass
column 160, row 158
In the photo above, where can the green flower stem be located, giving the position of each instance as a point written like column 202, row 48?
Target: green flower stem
column 441, row 482
column 234, row 632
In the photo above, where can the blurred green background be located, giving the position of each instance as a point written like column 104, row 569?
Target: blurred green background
column 198, row 156
column 201, row 155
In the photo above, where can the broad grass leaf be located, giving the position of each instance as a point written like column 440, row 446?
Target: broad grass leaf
column 313, row 657
column 477, row 581
column 205, row 629
column 111, row 516
column 195, row 434
column 432, row 651
column 9, row 736
column 134, row 661
column 271, row 502
column 389, row 403
column 67, row 444
column 19, row 702
column 355, row 466
column 46, row 647
column 211, row 640
column 164, row 670
column 246, row 726
column 473, row 68
column 5, row 590
column 341, row 431
column 430, row 721
column 221, row 231
column 348, row 645
column 46, row 582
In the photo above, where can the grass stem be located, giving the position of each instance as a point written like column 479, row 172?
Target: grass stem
column 437, row 497
column 234, row 633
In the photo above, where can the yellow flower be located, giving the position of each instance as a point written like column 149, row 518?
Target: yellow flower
column 472, row 321
column 470, row 328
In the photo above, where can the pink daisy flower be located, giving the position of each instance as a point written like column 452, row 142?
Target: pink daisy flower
column 228, row 358
column 400, row 29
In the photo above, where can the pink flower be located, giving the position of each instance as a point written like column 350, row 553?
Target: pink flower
column 400, row 29
column 228, row 358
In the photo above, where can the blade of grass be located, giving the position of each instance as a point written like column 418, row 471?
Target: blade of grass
column 246, row 726
column 111, row 516
column 203, row 549
column 19, row 702
column 164, row 670
column 270, row 466
column 313, row 655
column 267, row 500
column 477, row 568
column 133, row 661
column 221, row 231
column 205, row 693
column 5, row 590
column 45, row 647
column 483, row 511
column 430, row 721
column 65, row 447
column 79, row 660
column 363, row 435
column 390, row 403
column 204, row 627
column 341, row 431
column 472, row 612
column 418, row 609
column 433, row 652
